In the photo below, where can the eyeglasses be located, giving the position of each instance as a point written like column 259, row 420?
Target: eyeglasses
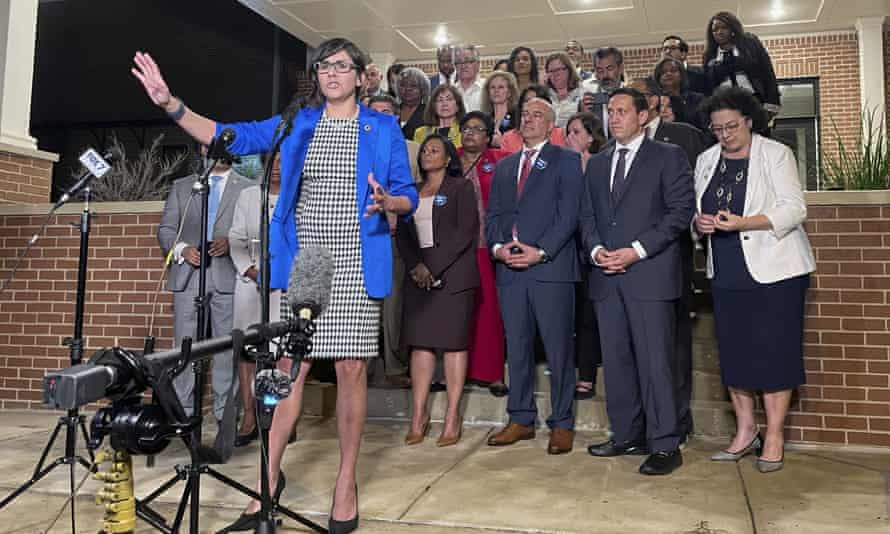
column 670, row 48
column 557, row 69
column 340, row 67
column 474, row 129
column 465, row 62
column 445, row 98
column 725, row 129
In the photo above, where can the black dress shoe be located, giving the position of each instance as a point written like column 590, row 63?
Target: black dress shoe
column 243, row 523
column 242, row 440
column 347, row 526
column 437, row 386
column 612, row 448
column 498, row 389
column 662, row 463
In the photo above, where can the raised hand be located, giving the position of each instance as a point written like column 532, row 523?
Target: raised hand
column 148, row 73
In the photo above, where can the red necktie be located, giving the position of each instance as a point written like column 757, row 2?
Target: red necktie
column 523, row 176
column 526, row 170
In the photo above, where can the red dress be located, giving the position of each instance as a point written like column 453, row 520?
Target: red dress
column 486, row 359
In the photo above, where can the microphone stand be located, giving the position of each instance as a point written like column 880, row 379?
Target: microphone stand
column 264, row 357
column 73, row 420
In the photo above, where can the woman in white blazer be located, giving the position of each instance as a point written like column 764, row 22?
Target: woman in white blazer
column 244, row 240
column 750, row 209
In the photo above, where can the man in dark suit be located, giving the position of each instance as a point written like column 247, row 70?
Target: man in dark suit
column 638, row 199
column 179, row 235
column 532, row 215
column 688, row 138
column 677, row 48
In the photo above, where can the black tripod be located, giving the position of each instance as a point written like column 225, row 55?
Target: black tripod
column 73, row 420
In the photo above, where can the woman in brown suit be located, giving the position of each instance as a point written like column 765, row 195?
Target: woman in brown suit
column 438, row 245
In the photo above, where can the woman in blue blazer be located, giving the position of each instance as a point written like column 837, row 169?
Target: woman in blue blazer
column 342, row 169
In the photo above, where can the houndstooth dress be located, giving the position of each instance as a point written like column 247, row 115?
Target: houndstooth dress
column 327, row 216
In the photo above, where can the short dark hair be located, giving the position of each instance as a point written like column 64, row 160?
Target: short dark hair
column 328, row 48
column 386, row 99
column 603, row 53
column 454, row 167
column 484, row 117
column 594, row 126
column 684, row 46
column 498, row 63
column 735, row 99
column 639, row 100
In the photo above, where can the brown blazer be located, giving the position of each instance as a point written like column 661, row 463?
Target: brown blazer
column 456, row 235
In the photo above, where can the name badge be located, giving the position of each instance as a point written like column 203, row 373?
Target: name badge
column 487, row 167
column 440, row 200
column 540, row 164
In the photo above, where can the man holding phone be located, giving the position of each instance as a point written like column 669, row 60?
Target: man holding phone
column 531, row 219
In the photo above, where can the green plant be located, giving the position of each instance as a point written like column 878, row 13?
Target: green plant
column 147, row 177
column 862, row 168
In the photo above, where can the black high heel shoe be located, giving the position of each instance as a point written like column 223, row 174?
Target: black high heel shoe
column 250, row 521
column 343, row 527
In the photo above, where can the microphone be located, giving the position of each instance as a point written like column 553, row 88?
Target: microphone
column 219, row 147
column 287, row 116
column 309, row 285
column 96, row 166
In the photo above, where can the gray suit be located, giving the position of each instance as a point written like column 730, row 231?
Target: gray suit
column 183, row 280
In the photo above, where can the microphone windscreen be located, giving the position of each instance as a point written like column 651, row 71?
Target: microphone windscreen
column 310, row 278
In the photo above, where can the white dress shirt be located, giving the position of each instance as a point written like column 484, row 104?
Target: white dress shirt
column 537, row 148
column 632, row 149
column 472, row 95
column 180, row 246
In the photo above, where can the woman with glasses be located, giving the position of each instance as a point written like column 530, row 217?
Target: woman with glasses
column 751, row 210
column 523, row 64
column 414, row 93
column 565, row 86
column 438, row 246
column 478, row 161
column 512, row 141
column 500, row 94
column 443, row 114
column 736, row 58
column 343, row 168
column 673, row 79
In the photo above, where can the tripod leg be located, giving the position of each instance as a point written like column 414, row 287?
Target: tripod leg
column 71, row 503
column 49, row 446
column 195, row 481
column 180, row 511
column 86, row 439
column 34, row 479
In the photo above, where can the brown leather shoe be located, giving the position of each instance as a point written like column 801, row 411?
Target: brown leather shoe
column 511, row 434
column 561, row 440
column 413, row 439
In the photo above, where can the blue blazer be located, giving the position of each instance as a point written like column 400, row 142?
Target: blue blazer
column 546, row 214
column 381, row 149
column 655, row 208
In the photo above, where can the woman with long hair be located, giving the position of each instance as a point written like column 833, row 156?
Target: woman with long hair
column 500, row 95
column 329, row 198
column 523, row 64
column 736, row 58
column 443, row 114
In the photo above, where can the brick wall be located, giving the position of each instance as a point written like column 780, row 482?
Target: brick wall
column 37, row 310
column 24, row 179
column 847, row 344
column 847, row 352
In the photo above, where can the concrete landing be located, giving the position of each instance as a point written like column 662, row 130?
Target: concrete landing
column 473, row 488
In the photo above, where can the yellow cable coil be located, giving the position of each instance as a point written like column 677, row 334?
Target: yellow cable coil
column 117, row 495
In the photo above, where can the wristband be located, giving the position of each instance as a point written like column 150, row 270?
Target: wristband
column 179, row 113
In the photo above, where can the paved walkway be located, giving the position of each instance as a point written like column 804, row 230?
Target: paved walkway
column 472, row 488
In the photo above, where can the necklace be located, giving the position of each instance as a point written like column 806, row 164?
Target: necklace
column 726, row 186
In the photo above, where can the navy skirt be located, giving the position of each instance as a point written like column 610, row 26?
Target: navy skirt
column 760, row 334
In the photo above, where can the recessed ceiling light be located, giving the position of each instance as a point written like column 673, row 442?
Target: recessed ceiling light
column 441, row 35
column 777, row 11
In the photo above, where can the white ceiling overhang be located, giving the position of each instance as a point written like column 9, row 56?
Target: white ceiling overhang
column 411, row 29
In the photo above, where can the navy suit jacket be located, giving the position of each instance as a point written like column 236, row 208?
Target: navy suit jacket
column 546, row 214
column 655, row 208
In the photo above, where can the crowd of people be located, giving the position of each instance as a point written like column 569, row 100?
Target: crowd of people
column 525, row 214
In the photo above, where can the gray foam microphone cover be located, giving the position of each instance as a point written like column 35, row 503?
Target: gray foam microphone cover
column 310, row 277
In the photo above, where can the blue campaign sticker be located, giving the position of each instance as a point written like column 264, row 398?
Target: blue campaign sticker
column 367, row 127
column 440, row 200
column 540, row 164
column 487, row 167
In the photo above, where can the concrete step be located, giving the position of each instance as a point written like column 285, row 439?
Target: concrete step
column 712, row 418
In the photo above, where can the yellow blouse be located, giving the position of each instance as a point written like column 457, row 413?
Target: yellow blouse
column 453, row 133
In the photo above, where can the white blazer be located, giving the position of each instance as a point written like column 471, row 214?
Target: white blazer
column 774, row 191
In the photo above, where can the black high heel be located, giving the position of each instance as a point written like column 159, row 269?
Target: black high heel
column 250, row 521
column 343, row 527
